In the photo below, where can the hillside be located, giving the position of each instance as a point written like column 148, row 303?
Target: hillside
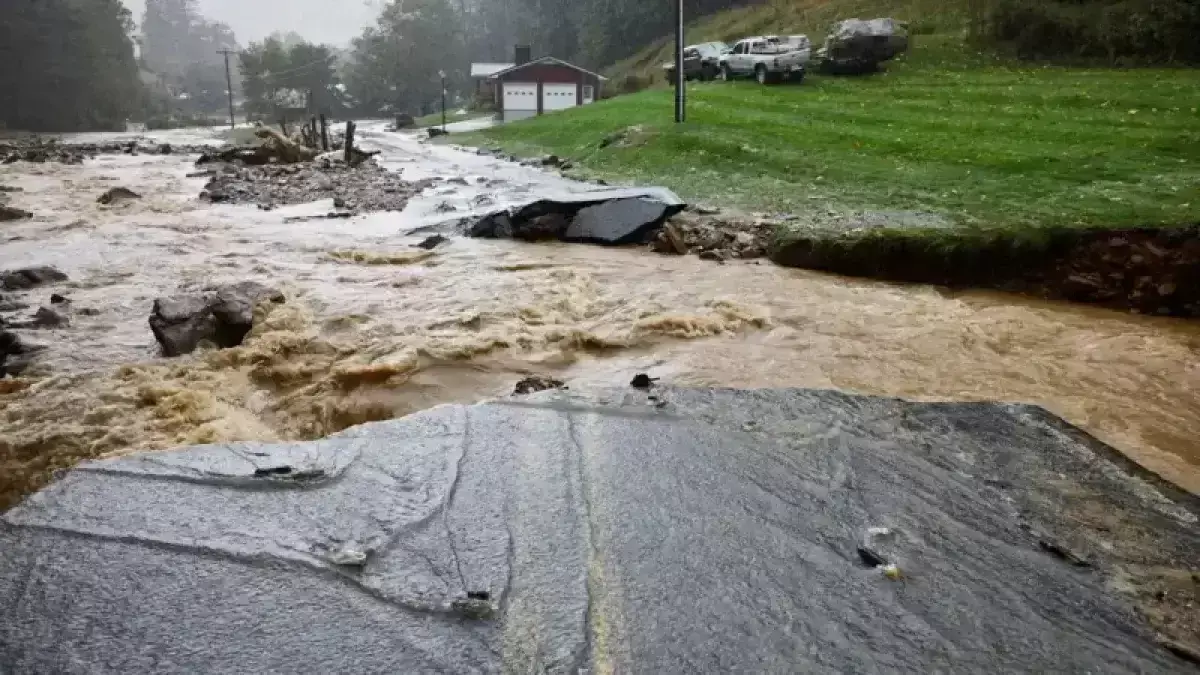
column 811, row 17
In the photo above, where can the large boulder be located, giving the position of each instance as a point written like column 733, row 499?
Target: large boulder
column 626, row 531
column 30, row 277
column 223, row 317
column 16, row 355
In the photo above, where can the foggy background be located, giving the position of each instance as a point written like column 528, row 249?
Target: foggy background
column 329, row 21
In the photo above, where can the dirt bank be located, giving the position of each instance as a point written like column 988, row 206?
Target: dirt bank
column 1147, row 271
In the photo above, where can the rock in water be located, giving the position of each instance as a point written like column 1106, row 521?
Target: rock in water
column 233, row 308
column 30, row 277
column 50, row 317
column 117, row 194
column 9, row 213
column 181, row 323
column 16, row 355
column 432, row 242
column 536, row 383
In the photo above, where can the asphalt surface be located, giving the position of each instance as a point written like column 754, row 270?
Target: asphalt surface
column 670, row 531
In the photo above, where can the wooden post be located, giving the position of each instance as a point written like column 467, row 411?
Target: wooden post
column 313, row 128
column 324, row 133
column 349, row 141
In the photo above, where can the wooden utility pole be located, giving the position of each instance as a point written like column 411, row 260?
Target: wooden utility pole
column 324, row 133
column 680, row 79
column 229, row 84
column 349, row 142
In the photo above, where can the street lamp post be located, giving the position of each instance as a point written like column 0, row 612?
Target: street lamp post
column 680, row 80
column 442, row 75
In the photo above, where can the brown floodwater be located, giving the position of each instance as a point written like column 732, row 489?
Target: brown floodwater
column 372, row 330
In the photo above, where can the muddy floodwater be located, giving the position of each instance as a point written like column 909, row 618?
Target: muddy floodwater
column 375, row 328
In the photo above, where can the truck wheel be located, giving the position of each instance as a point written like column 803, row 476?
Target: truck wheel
column 761, row 74
column 726, row 73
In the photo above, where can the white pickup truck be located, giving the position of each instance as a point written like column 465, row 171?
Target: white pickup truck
column 768, row 58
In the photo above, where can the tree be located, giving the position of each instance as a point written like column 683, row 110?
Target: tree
column 395, row 64
column 67, row 65
column 278, row 77
column 183, row 48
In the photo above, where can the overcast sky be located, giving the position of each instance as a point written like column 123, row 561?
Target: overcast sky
column 331, row 21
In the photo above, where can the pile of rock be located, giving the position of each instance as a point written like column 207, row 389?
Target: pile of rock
column 366, row 187
column 715, row 237
column 37, row 150
column 1151, row 271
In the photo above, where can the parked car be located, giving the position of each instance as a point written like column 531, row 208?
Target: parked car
column 855, row 46
column 768, row 58
column 700, row 62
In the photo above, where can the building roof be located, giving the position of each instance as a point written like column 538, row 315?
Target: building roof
column 487, row 69
column 545, row 59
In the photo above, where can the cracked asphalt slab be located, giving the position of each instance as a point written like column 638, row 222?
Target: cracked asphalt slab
column 666, row 531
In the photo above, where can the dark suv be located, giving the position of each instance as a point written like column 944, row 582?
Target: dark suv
column 702, row 61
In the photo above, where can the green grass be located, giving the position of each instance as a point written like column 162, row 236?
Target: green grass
column 981, row 141
column 435, row 119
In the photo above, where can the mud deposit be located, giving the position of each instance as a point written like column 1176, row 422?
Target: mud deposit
column 374, row 327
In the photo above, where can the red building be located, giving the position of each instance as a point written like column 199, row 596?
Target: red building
column 533, row 87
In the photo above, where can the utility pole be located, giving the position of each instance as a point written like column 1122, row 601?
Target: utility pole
column 228, row 85
column 680, row 80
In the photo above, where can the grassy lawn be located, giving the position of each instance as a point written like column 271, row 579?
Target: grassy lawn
column 979, row 141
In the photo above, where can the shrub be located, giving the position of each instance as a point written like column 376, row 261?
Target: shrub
column 1118, row 31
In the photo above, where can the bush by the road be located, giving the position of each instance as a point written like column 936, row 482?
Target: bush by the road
column 1121, row 31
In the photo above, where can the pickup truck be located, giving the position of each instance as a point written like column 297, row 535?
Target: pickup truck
column 702, row 61
column 768, row 58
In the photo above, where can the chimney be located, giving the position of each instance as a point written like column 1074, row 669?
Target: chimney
column 521, row 54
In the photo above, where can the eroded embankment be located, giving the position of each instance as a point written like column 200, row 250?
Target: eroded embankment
column 1153, row 270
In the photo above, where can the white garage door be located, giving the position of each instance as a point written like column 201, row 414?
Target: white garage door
column 520, row 100
column 558, row 96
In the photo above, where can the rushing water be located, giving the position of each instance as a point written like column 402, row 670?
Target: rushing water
column 362, row 341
